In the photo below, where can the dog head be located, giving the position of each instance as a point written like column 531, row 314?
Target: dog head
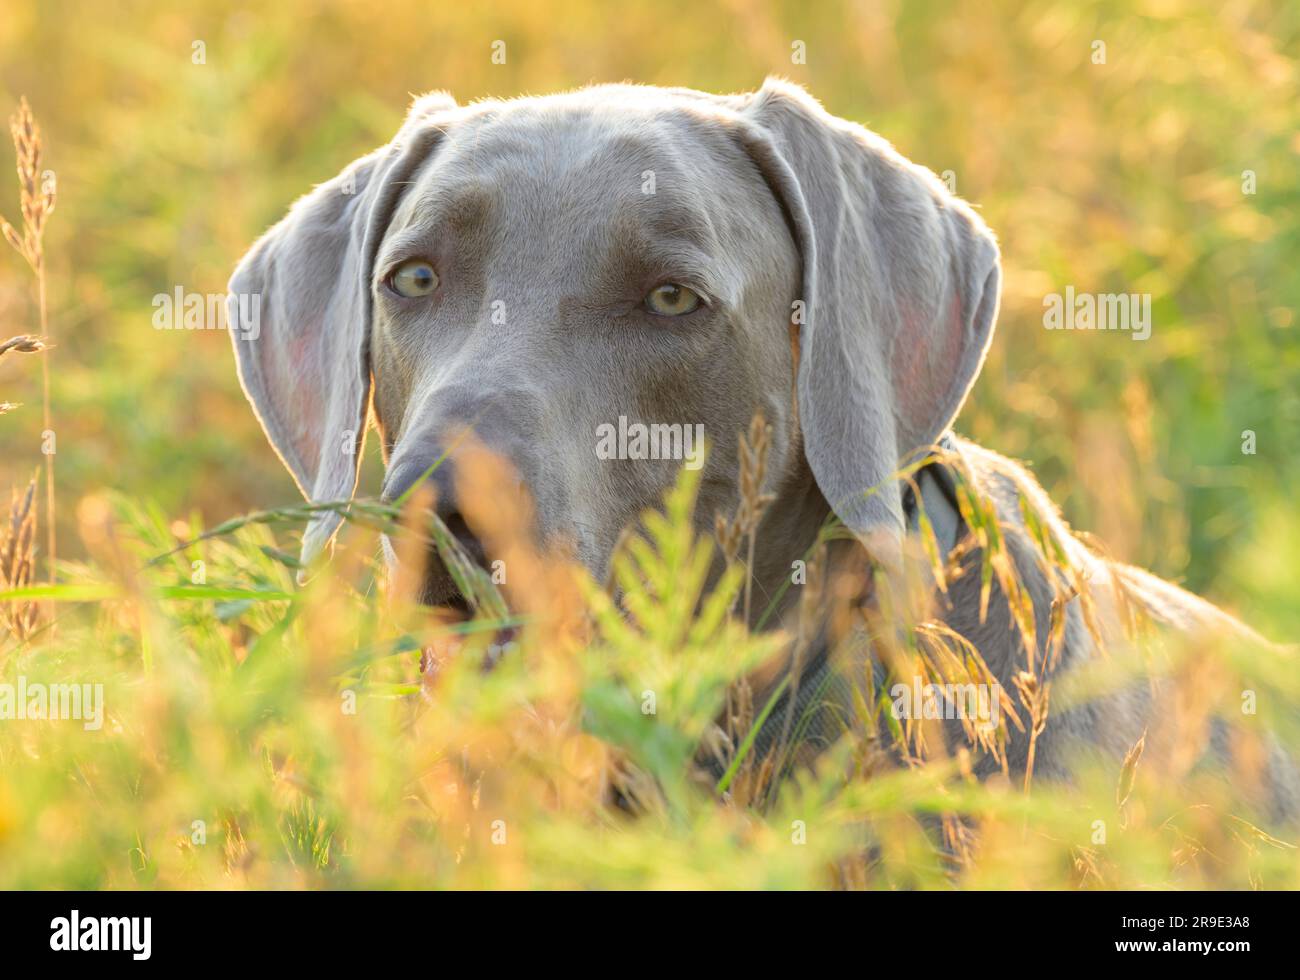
column 592, row 281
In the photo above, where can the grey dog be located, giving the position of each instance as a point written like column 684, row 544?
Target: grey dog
column 540, row 268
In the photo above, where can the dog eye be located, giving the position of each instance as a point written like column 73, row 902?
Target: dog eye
column 672, row 299
column 413, row 279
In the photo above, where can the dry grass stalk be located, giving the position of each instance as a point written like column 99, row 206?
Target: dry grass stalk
column 1035, row 695
column 946, row 657
column 1128, row 772
column 36, row 193
column 17, row 559
column 742, row 528
column 740, row 719
column 22, row 344
column 1087, row 868
column 960, row 841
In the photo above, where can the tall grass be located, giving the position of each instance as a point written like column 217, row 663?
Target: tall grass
column 258, row 734
column 36, row 198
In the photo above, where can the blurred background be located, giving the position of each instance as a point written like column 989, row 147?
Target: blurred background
column 178, row 136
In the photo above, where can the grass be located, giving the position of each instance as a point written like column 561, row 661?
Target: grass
column 17, row 559
column 36, row 197
column 259, row 733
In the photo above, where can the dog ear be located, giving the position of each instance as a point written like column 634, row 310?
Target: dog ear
column 900, row 293
column 299, row 310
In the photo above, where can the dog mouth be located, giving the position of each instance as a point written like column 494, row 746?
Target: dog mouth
column 454, row 580
column 439, row 590
column 452, row 559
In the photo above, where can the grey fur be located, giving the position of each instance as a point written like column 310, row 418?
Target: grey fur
column 536, row 210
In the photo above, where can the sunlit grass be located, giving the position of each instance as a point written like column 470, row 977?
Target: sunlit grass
column 258, row 734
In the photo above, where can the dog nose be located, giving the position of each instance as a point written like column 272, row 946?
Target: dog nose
column 425, row 470
column 438, row 474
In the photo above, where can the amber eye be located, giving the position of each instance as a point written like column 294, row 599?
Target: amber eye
column 672, row 299
column 414, row 279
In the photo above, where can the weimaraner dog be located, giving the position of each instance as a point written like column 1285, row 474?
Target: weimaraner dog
column 554, row 270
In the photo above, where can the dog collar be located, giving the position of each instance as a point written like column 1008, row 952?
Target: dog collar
column 938, row 495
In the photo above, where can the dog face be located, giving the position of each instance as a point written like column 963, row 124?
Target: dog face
column 592, row 282
column 583, row 267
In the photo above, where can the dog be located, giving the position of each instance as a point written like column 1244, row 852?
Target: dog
column 542, row 269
